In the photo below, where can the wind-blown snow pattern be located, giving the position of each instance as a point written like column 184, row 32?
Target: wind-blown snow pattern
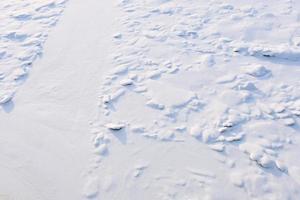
column 202, row 103
column 24, row 27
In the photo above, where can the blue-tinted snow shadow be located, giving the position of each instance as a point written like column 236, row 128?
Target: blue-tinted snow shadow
column 8, row 106
column 121, row 135
column 281, row 61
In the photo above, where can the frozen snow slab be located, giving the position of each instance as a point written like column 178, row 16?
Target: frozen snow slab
column 168, row 95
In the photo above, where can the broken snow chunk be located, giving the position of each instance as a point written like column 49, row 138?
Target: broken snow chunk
column 6, row 95
column 231, row 97
column 226, row 6
column 226, row 79
column 255, row 152
column 217, row 147
column 99, row 139
column 222, row 129
column 255, row 155
column 270, row 152
column 115, row 126
column 195, row 105
column 279, row 51
column 296, row 112
column 132, row 76
column 265, row 108
column 137, row 129
column 169, row 95
column 209, row 135
column 207, row 60
column 257, row 70
column 283, row 115
column 230, row 163
column 19, row 72
column 280, row 165
column 237, row 179
column 225, row 40
column 234, row 138
column 180, row 128
column 265, row 161
column 118, row 93
column 106, row 98
column 139, row 169
column 246, row 86
column 172, row 70
column 220, row 138
column 278, row 108
column 167, row 64
column 288, row 140
column 117, row 36
column 289, row 121
column 228, row 124
column 276, row 145
column 140, row 89
column 167, row 136
column 5, row 98
column 91, row 188
column 101, row 149
column 153, row 74
column 155, row 105
column 120, row 69
column 196, row 131
column 296, row 41
column 126, row 82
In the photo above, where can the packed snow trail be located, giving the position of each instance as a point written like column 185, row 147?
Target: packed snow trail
column 44, row 131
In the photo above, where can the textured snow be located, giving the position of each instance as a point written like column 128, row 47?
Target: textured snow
column 222, row 75
column 197, row 99
column 24, row 28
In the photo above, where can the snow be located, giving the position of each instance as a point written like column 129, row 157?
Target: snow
column 115, row 127
column 45, row 141
column 24, row 29
column 223, row 71
column 153, row 99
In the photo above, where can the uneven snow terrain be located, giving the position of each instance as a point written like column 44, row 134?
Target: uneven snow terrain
column 196, row 100
column 24, row 27
column 202, row 102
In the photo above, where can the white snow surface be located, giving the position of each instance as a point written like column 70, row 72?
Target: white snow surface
column 24, row 27
column 155, row 99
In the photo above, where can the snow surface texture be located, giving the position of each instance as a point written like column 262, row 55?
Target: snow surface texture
column 44, row 132
column 203, row 102
column 24, row 27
